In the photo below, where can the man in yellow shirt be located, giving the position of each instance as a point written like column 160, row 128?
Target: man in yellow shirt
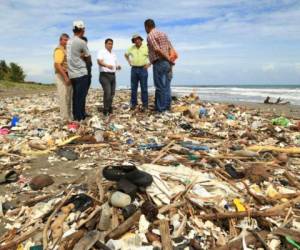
column 63, row 84
column 137, row 57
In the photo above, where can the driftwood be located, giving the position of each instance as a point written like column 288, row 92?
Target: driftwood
column 166, row 208
column 14, row 243
column 125, row 226
column 279, row 101
column 288, row 150
column 99, row 185
column 292, row 180
column 236, row 244
column 45, row 231
column 250, row 213
column 165, row 235
column 295, row 235
column 69, row 242
column 163, row 152
column 91, row 216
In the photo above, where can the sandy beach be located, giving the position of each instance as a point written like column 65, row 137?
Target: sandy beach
column 38, row 110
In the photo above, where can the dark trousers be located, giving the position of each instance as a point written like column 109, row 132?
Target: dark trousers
column 80, row 89
column 108, row 83
column 162, row 76
column 139, row 74
column 89, row 81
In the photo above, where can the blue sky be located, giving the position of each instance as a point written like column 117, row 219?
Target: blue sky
column 219, row 41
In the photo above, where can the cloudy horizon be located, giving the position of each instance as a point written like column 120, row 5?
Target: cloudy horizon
column 219, row 42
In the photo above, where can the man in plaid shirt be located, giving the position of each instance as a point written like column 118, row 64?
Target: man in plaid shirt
column 159, row 47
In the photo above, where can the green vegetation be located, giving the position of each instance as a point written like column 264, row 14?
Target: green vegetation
column 28, row 85
column 12, row 72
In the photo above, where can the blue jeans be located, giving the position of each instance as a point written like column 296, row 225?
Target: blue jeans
column 80, row 90
column 139, row 74
column 162, row 82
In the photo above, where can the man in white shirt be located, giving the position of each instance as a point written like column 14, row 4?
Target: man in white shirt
column 108, row 65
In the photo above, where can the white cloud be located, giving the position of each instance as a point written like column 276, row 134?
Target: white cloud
column 268, row 67
column 218, row 40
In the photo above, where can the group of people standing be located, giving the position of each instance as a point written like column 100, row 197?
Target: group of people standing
column 72, row 63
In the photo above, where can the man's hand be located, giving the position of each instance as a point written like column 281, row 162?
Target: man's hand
column 147, row 66
column 67, row 81
column 118, row 67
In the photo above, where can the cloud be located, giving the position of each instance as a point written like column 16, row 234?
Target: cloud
column 220, row 41
column 268, row 67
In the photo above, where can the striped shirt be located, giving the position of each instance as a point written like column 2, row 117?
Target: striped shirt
column 157, row 40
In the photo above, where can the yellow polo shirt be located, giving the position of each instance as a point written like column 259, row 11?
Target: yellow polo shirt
column 58, row 56
column 138, row 56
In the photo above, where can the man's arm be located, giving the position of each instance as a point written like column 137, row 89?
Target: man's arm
column 102, row 64
column 61, row 71
column 127, row 58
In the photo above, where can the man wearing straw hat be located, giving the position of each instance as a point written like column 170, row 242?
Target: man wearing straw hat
column 137, row 57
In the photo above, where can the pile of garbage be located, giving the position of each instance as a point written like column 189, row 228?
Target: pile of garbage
column 204, row 176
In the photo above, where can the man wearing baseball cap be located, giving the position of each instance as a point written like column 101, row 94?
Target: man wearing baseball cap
column 77, row 54
column 137, row 57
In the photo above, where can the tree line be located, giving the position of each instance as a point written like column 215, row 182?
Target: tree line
column 11, row 72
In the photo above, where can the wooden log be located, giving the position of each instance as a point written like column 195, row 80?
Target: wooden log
column 166, row 208
column 295, row 235
column 250, row 213
column 99, row 184
column 125, row 226
column 288, row 150
column 284, row 205
column 165, row 235
column 292, row 180
column 91, row 216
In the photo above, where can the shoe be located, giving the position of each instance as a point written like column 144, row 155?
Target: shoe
column 233, row 173
column 105, row 113
column 81, row 202
column 133, row 107
column 127, row 187
column 129, row 172
column 110, row 110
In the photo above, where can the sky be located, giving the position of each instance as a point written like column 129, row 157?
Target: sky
column 218, row 41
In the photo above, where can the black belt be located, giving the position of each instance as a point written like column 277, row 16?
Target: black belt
column 109, row 73
column 138, row 66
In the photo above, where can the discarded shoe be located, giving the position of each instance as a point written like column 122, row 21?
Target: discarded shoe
column 129, row 172
column 80, row 201
column 127, row 187
column 139, row 178
column 69, row 154
column 8, row 177
column 40, row 181
column 115, row 173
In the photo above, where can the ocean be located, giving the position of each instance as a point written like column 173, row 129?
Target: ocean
column 242, row 93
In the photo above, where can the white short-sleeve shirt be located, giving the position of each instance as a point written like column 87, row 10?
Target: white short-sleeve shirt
column 109, row 58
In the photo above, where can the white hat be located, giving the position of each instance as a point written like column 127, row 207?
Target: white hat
column 79, row 24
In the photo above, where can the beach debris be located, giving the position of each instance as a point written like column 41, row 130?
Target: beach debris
column 203, row 176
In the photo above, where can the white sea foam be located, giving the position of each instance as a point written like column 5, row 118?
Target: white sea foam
column 248, row 94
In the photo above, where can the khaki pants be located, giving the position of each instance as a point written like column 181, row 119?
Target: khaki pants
column 64, row 97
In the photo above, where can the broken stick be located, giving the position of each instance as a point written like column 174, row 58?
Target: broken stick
column 165, row 235
column 125, row 226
